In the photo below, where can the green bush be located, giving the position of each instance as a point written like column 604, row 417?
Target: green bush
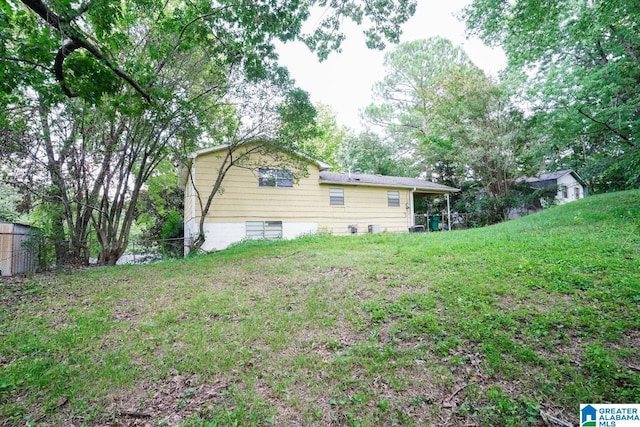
column 173, row 235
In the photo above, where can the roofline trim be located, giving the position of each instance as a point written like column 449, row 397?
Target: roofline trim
column 206, row 150
column 193, row 155
column 577, row 177
column 410, row 187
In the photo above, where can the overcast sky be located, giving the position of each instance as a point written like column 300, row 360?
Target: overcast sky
column 344, row 81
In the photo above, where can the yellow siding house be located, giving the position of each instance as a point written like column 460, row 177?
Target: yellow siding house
column 260, row 198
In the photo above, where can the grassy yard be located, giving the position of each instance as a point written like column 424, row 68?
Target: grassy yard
column 501, row 326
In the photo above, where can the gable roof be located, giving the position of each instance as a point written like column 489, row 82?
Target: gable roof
column 551, row 177
column 554, row 175
column 203, row 151
column 343, row 178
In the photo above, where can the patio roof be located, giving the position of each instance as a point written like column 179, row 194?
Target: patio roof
column 420, row 185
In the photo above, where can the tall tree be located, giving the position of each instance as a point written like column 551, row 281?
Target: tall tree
column 9, row 200
column 150, row 78
column 474, row 125
column 582, row 59
column 95, row 34
column 99, row 155
column 405, row 97
column 160, row 196
column 370, row 153
column 459, row 123
column 325, row 143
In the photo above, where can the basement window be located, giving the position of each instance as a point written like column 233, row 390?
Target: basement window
column 393, row 198
column 263, row 230
column 275, row 178
column 336, row 196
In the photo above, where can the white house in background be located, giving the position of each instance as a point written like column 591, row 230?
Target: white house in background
column 570, row 186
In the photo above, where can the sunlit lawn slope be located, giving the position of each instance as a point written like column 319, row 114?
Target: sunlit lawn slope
column 486, row 327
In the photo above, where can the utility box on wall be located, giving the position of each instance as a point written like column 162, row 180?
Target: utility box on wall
column 375, row 228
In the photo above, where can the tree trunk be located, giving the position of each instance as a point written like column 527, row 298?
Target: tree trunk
column 222, row 172
column 60, row 244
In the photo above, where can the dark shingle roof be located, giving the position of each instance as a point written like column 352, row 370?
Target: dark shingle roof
column 344, row 178
column 553, row 175
column 550, row 178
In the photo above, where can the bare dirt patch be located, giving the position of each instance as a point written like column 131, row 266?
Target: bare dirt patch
column 286, row 414
column 167, row 403
column 13, row 291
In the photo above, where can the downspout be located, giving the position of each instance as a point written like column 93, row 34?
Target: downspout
column 193, row 193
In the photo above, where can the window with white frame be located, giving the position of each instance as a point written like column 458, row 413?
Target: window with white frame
column 263, row 229
column 393, row 198
column 336, row 196
column 576, row 192
column 275, row 178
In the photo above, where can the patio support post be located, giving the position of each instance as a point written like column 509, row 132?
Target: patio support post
column 448, row 213
column 412, row 213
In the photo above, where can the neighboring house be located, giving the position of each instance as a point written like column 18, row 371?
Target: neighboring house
column 17, row 255
column 569, row 186
column 262, row 201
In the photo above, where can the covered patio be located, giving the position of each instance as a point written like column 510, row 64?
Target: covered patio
column 431, row 211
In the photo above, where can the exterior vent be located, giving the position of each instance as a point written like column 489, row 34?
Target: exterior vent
column 374, row 228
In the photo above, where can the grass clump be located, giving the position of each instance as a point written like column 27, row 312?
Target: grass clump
column 481, row 327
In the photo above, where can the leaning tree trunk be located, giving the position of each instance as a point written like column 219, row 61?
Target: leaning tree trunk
column 227, row 163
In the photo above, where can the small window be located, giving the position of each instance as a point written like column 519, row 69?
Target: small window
column 264, row 229
column 576, row 193
column 393, row 198
column 275, row 178
column 336, row 196
column 565, row 192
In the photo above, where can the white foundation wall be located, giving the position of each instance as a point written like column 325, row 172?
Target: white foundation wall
column 190, row 231
column 291, row 230
column 219, row 235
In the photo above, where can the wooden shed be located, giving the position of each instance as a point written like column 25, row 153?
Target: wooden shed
column 17, row 256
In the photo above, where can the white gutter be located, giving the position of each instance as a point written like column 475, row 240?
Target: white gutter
column 433, row 191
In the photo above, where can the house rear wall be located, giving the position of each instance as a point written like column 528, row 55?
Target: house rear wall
column 303, row 208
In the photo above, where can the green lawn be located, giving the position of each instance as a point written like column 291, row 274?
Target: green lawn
column 485, row 327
